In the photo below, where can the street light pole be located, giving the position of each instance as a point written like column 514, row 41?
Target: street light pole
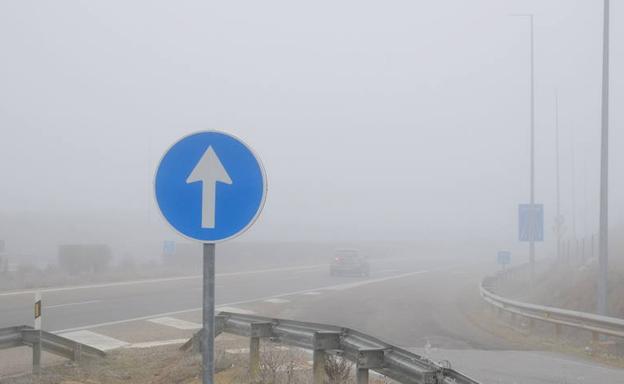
column 559, row 219
column 603, row 240
column 532, row 165
column 532, row 243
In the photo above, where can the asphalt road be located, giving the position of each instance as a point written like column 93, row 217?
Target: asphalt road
column 420, row 304
column 87, row 306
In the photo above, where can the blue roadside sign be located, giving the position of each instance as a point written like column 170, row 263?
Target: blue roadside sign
column 169, row 247
column 503, row 258
column 531, row 222
column 210, row 186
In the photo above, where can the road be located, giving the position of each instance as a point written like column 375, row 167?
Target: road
column 89, row 306
column 417, row 304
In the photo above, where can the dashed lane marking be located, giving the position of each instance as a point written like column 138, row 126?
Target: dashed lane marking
column 277, row 301
column 175, row 323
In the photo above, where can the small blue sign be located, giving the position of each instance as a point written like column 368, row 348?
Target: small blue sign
column 169, row 247
column 503, row 258
column 531, row 222
column 210, row 186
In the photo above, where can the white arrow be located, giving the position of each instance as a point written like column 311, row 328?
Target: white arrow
column 209, row 171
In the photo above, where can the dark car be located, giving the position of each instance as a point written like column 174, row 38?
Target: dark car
column 348, row 262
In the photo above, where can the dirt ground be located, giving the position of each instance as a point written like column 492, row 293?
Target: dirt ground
column 137, row 366
column 169, row 365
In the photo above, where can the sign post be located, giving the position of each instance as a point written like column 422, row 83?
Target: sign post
column 503, row 258
column 210, row 187
column 208, row 313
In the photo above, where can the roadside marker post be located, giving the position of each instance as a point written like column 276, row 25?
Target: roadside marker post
column 37, row 310
column 36, row 347
column 210, row 187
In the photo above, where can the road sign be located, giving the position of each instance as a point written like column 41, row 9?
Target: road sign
column 503, row 258
column 210, row 186
column 531, row 222
column 169, row 247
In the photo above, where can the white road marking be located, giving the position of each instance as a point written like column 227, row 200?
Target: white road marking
column 313, row 293
column 175, row 323
column 70, row 304
column 115, row 322
column 237, row 351
column 160, row 280
column 277, row 301
column 377, row 280
column 95, row 340
column 226, row 307
column 150, row 344
column 381, row 271
column 241, row 311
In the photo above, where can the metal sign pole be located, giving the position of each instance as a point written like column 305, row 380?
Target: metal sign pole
column 208, row 314
column 603, row 236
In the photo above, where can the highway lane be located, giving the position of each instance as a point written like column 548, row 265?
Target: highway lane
column 75, row 307
column 437, row 316
column 411, row 303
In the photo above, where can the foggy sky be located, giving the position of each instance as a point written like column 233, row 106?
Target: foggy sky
column 393, row 120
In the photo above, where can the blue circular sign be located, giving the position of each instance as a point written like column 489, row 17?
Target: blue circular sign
column 210, row 186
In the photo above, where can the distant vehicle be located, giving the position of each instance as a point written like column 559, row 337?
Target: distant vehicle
column 348, row 262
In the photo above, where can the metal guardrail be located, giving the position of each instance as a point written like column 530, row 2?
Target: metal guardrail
column 596, row 324
column 40, row 340
column 366, row 352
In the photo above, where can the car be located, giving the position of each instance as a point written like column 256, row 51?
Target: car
column 348, row 262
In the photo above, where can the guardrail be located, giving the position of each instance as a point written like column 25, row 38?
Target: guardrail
column 366, row 352
column 40, row 340
column 596, row 324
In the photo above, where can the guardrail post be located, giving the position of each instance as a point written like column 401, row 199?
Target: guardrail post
column 77, row 352
column 322, row 342
column 254, row 359
column 318, row 366
column 36, row 353
column 557, row 331
column 258, row 330
column 361, row 376
column 367, row 359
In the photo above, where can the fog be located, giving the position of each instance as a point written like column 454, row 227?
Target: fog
column 396, row 121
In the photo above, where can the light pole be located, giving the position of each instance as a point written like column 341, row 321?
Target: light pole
column 559, row 218
column 532, row 166
column 603, row 240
